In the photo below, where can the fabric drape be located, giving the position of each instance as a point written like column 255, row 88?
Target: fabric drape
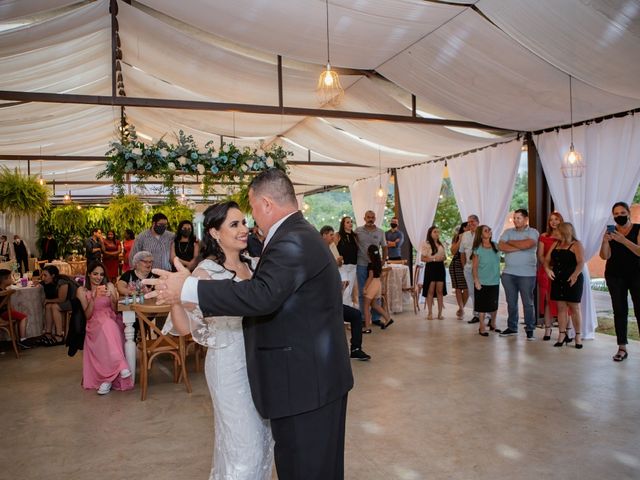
column 611, row 153
column 363, row 197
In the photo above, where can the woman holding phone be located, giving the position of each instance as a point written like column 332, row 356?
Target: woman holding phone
column 104, row 365
column 621, row 249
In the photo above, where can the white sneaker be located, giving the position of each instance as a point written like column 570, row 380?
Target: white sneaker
column 125, row 373
column 104, row 388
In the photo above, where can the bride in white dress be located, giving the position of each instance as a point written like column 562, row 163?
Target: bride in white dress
column 243, row 446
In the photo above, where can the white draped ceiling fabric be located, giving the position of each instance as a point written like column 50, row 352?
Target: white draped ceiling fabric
column 483, row 183
column 364, row 198
column 611, row 150
column 419, row 189
column 504, row 64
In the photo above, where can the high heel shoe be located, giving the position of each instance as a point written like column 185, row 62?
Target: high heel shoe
column 484, row 334
column 578, row 345
column 560, row 343
column 547, row 337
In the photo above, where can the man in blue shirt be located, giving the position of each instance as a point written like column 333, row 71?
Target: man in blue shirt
column 519, row 275
column 395, row 239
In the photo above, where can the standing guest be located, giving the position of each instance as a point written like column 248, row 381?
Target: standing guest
column 456, row 271
column 292, row 309
column 131, row 281
column 94, row 246
column 347, row 245
column 255, row 242
column 563, row 264
column 519, row 275
column 6, row 249
column 395, row 239
column 486, row 277
column 368, row 234
column 19, row 317
column 545, row 305
column 185, row 246
column 372, row 289
column 621, row 249
column 59, row 290
column 433, row 255
column 466, row 250
column 21, row 253
column 49, row 247
column 350, row 315
column 127, row 245
column 111, row 255
column 104, row 365
column 156, row 240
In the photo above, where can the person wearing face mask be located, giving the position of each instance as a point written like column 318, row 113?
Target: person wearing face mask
column 156, row 240
column 395, row 239
column 22, row 254
column 185, row 246
column 111, row 256
column 621, row 249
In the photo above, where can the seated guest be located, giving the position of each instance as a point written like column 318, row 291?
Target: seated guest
column 59, row 290
column 21, row 318
column 104, row 365
column 131, row 280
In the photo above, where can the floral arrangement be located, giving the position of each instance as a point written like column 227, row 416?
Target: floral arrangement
column 160, row 159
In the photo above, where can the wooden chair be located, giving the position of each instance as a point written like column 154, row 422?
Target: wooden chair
column 413, row 289
column 9, row 324
column 159, row 344
column 196, row 349
column 384, row 292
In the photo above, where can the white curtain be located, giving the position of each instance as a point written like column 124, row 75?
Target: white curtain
column 419, row 189
column 363, row 197
column 611, row 152
column 483, row 183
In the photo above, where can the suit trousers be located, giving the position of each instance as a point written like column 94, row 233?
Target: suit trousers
column 310, row 445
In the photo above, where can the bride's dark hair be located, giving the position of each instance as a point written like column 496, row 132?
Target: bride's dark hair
column 214, row 217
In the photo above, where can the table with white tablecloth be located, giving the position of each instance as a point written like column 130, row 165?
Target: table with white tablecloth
column 30, row 301
column 399, row 278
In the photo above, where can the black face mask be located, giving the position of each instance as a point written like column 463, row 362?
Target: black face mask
column 621, row 220
column 185, row 232
column 393, row 225
column 160, row 229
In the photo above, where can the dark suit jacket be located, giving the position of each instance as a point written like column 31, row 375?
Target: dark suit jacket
column 297, row 355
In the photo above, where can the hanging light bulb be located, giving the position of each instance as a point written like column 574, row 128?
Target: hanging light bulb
column 67, row 197
column 380, row 194
column 329, row 89
column 40, row 177
column 572, row 163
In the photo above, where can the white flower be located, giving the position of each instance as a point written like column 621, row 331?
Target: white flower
column 171, row 166
column 200, row 169
column 137, row 151
column 182, row 160
column 244, row 167
column 163, row 152
column 225, row 148
column 270, row 162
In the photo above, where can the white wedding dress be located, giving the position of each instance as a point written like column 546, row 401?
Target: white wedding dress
column 243, row 446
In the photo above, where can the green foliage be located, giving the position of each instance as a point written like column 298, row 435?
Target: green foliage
column 636, row 197
column 21, row 194
column 175, row 212
column 69, row 226
column 241, row 197
column 520, row 197
column 125, row 212
column 328, row 208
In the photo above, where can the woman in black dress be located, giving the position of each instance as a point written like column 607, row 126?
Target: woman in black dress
column 347, row 244
column 564, row 263
column 185, row 246
column 433, row 254
column 456, row 271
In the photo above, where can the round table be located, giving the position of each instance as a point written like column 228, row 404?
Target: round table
column 30, row 301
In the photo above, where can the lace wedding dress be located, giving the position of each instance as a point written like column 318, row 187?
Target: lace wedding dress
column 243, row 446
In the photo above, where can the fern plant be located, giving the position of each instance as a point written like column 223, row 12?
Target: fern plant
column 21, row 194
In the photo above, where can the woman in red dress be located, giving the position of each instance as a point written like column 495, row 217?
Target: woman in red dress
column 111, row 256
column 545, row 304
column 127, row 245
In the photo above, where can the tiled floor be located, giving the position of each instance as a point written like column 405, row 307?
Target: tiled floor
column 437, row 401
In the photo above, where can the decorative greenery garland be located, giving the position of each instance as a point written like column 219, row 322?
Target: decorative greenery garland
column 160, row 159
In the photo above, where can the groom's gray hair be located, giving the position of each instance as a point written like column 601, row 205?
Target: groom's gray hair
column 274, row 183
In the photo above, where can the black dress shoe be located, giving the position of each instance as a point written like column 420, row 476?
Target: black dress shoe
column 474, row 320
column 388, row 324
column 359, row 354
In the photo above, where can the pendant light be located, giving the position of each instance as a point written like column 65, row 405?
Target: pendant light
column 380, row 195
column 572, row 163
column 329, row 89
column 41, row 178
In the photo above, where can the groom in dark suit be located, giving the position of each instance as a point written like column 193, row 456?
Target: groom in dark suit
column 297, row 354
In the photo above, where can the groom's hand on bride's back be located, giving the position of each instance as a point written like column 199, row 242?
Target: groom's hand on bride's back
column 168, row 285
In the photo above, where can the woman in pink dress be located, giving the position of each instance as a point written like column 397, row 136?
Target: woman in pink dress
column 545, row 304
column 104, row 365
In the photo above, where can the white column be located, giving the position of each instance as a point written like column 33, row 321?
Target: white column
column 129, row 318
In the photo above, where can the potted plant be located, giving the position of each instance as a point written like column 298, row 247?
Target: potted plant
column 21, row 194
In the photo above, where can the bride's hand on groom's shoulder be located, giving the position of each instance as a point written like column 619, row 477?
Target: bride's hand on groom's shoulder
column 168, row 285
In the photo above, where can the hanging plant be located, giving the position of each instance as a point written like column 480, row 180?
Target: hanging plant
column 124, row 212
column 130, row 156
column 21, row 194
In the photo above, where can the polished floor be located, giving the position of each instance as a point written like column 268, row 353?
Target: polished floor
column 437, row 401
